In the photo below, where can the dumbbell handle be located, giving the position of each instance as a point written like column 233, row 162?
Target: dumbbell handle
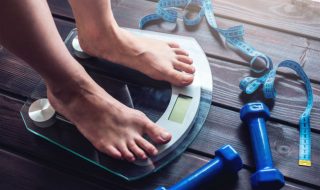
column 266, row 177
column 260, row 143
column 206, row 172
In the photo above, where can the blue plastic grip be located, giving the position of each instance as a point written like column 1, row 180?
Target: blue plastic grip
column 260, row 144
column 266, row 177
column 226, row 160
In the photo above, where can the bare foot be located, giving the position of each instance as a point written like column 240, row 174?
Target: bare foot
column 109, row 125
column 157, row 59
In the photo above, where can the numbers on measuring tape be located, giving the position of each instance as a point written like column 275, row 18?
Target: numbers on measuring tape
column 166, row 10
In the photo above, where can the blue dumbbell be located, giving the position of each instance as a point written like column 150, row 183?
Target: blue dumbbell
column 266, row 176
column 226, row 160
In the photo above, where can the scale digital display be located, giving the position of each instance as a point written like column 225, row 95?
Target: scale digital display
column 180, row 108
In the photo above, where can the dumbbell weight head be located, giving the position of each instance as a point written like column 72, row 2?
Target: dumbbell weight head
column 254, row 110
column 231, row 159
column 227, row 160
column 267, row 179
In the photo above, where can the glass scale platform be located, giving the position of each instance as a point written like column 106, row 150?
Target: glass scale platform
column 181, row 110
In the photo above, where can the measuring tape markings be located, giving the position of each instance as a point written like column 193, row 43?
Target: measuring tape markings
column 166, row 10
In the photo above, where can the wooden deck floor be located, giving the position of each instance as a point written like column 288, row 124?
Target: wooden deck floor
column 283, row 29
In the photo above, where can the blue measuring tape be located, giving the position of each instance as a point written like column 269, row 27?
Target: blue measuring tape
column 167, row 10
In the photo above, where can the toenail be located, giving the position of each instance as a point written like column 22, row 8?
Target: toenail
column 154, row 151
column 187, row 77
column 165, row 136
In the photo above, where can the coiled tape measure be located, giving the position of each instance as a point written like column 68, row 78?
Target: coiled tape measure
column 167, row 10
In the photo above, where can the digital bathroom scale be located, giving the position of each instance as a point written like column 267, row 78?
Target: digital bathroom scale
column 180, row 110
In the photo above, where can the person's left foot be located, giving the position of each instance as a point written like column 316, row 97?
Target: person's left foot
column 110, row 126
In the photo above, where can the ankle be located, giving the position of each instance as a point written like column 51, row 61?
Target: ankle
column 95, row 32
column 102, row 41
column 66, row 90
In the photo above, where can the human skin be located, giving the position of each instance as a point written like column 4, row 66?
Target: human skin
column 27, row 29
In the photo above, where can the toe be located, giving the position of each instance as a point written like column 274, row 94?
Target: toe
column 180, row 51
column 147, row 146
column 157, row 134
column 184, row 67
column 180, row 78
column 185, row 59
column 173, row 44
column 125, row 152
column 136, row 150
column 113, row 152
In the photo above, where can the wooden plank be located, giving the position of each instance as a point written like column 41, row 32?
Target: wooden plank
column 18, row 78
column 300, row 18
column 15, row 137
column 20, row 173
column 207, row 136
column 297, row 17
column 290, row 102
column 15, row 75
column 22, row 139
column 288, row 105
column 21, row 79
column 224, row 126
column 290, row 136
column 278, row 45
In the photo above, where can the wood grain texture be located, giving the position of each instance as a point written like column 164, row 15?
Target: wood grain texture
column 15, row 75
column 300, row 17
column 284, row 139
column 45, row 159
column 20, row 173
column 289, row 104
column 224, row 126
column 278, row 45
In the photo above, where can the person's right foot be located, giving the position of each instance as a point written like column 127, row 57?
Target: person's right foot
column 158, row 59
column 109, row 125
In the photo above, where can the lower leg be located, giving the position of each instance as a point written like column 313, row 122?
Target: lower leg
column 30, row 33
column 100, row 36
